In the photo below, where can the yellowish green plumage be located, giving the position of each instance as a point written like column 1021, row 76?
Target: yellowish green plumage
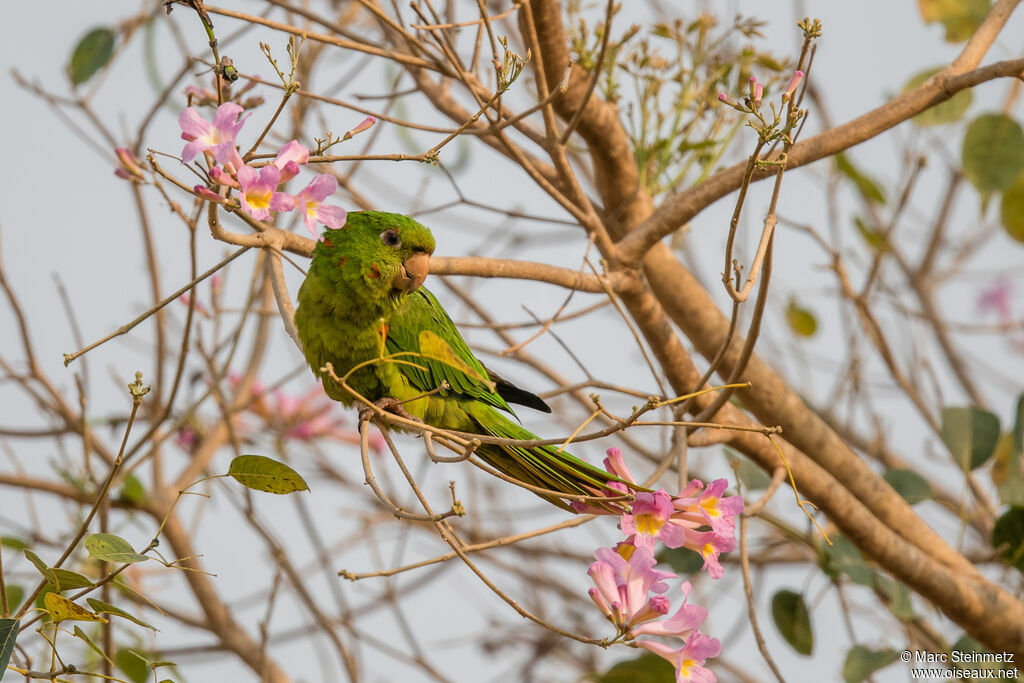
column 369, row 273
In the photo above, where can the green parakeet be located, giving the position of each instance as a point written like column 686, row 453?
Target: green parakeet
column 365, row 282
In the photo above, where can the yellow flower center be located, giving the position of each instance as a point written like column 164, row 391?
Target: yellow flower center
column 258, row 199
column 647, row 524
column 710, row 505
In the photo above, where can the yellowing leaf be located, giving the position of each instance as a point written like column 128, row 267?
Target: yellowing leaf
column 960, row 18
column 801, row 320
column 260, row 473
column 62, row 609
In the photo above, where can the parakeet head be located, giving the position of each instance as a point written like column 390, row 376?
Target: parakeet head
column 375, row 260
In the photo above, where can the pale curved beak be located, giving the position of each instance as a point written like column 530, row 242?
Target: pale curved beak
column 414, row 272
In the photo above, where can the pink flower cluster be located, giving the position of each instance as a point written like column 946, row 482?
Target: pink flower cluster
column 698, row 518
column 679, row 521
column 624, row 577
column 259, row 189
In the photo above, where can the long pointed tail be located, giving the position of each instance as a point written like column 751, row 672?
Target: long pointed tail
column 545, row 467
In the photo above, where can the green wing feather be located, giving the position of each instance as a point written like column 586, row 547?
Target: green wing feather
column 542, row 466
column 420, row 313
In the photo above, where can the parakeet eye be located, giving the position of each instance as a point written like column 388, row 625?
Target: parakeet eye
column 391, row 238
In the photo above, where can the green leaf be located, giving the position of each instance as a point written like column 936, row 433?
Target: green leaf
column 801, row 320
column 960, row 18
column 789, row 611
column 862, row 662
column 8, row 634
column 970, row 434
column 949, row 111
column 874, row 237
column 898, row 597
column 80, row 634
column 1018, row 426
column 91, row 54
column 132, row 491
column 102, row 607
column 867, row 187
column 648, row 667
column 41, row 566
column 62, row 609
column 842, row 557
column 1006, row 474
column 111, row 548
column 993, row 153
column 909, row 484
column 134, row 665
column 260, row 473
column 1011, row 209
column 432, row 346
column 966, row 644
column 683, row 560
column 1008, row 537
column 67, row 580
column 753, row 477
column 13, row 542
column 15, row 594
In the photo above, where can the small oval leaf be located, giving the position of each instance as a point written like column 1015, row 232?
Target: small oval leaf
column 801, row 321
column 909, row 484
column 648, row 667
column 260, row 473
column 843, row 558
column 1008, row 537
column 897, row 597
column 949, row 111
column 15, row 594
column 62, row 609
column 133, row 491
column 861, row 662
column 866, row 186
column 682, row 560
column 1011, row 209
column 134, row 665
column 111, row 548
column 960, row 18
column 92, row 53
column 13, row 542
column 970, row 434
column 789, row 611
column 993, row 152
